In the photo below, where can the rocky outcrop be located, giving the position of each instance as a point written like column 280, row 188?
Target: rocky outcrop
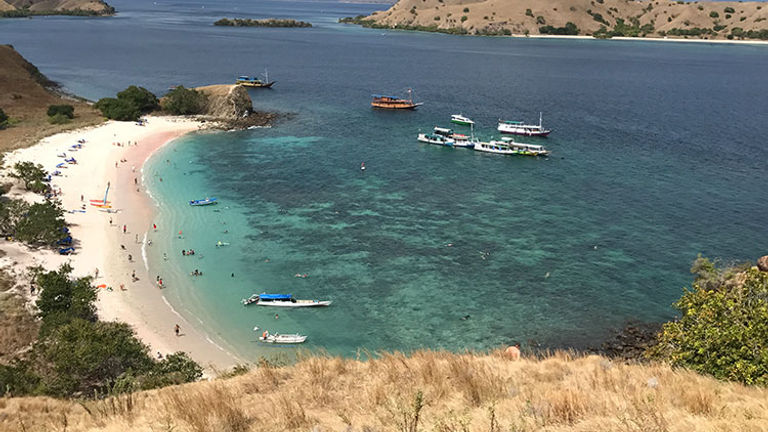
column 228, row 102
column 762, row 263
column 57, row 7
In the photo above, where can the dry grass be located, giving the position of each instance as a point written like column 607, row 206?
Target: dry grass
column 18, row 327
column 25, row 100
column 426, row 391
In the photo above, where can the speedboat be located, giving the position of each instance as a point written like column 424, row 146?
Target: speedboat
column 462, row 120
column 203, row 202
column 435, row 139
column 282, row 300
column 460, row 140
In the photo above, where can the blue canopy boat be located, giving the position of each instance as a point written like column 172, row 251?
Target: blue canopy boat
column 203, row 202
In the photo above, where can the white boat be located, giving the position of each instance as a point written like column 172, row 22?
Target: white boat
column 462, row 120
column 520, row 128
column 283, row 338
column 510, row 147
column 282, row 300
column 203, row 202
column 460, row 140
column 435, row 139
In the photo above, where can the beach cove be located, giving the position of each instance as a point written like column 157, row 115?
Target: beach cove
column 114, row 154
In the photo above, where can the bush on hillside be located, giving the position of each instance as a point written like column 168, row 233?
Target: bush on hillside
column 3, row 119
column 63, row 300
column 184, row 101
column 64, row 110
column 144, row 100
column 570, row 29
column 118, row 109
column 723, row 327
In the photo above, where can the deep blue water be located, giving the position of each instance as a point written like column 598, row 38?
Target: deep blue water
column 658, row 155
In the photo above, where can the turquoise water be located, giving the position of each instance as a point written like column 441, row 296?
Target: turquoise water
column 658, row 155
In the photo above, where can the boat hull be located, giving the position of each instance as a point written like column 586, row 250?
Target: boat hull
column 297, row 304
column 542, row 134
column 288, row 339
column 257, row 85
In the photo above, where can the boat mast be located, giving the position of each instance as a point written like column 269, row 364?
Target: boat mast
column 266, row 75
column 539, row 119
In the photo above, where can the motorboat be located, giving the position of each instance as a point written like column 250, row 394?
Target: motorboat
column 282, row 300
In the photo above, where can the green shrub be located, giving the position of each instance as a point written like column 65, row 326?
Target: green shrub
column 722, row 328
column 28, row 173
column 729, row 10
column 65, row 110
column 463, row 18
column 118, row 109
column 437, row 18
column 59, row 119
column 183, row 101
column 569, row 29
column 140, row 97
column 540, row 20
column 714, row 14
column 42, row 225
column 466, row 10
column 529, row 13
column 3, row 119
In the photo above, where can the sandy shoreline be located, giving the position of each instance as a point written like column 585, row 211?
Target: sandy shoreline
column 100, row 244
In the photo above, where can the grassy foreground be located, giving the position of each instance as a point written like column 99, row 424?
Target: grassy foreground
column 429, row 391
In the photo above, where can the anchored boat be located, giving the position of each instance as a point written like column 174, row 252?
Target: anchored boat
column 459, row 140
column 247, row 81
column 277, row 338
column 282, row 300
column 462, row 120
column 436, row 139
column 203, row 202
column 509, row 147
column 520, row 128
column 394, row 102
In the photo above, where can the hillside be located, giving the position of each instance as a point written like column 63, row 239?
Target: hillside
column 709, row 20
column 16, row 8
column 428, row 391
column 25, row 95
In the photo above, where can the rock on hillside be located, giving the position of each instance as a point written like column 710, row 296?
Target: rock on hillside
column 527, row 17
column 99, row 7
column 225, row 101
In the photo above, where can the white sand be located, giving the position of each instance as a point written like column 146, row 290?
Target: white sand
column 98, row 245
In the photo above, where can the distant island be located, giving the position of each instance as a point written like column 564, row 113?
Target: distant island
column 27, row 8
column 271, row 22
column 597, row 18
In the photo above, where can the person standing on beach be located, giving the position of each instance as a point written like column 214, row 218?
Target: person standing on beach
column 110, row 221
column 176, row 329
column 125, row 227
column 154, row 227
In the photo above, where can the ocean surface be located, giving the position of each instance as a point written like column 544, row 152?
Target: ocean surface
column 658, row 154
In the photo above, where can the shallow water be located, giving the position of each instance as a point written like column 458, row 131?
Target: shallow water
column 658, row 155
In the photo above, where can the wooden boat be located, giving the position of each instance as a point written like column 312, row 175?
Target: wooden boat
column 247, row 81
column 520, row 128
column 435, row 139
column 282, row 300
column 283, row 338
column 461, row 120
column 203, row 202
column 394, row 102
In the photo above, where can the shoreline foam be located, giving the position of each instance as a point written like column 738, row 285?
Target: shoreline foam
column 142, row 304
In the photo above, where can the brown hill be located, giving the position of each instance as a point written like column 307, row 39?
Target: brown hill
column 43, row 7
column 25, row 95
column 660, row 18
column 426, row 391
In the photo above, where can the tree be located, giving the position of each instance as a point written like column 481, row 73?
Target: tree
column 42, row 225
column 65, row 110
column 3, row 119
column 118, row 109
column 140, row 97
column 11, row 212
column 723, row 326
column 63, row 299
column 85, row 357
column 183, row 101
column 176, row 368
column 29, row 173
